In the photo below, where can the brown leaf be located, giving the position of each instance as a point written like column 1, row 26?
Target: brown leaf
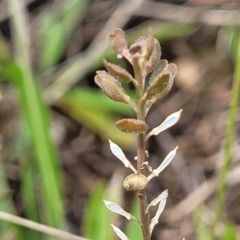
column 111, row 87
column 139, row 46
column 150, row 43
column 131, row 125
column 154, row 58
column 162, row 83
column 160, row 86
column 118, row 71
column 158, row 69
column 148, row 52
column 117, row 41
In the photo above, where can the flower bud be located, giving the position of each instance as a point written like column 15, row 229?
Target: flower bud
column 147, row 51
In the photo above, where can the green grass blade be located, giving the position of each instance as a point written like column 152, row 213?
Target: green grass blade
column 97, row 217
column 29, row 192
column 230, row 135
column 57, row 28
column 95, row 100
column 46, row 156
column 133, row 228
column 229, row 233
column 202, row 231
column 5, row 203
column 36, row 117
column 100, row 122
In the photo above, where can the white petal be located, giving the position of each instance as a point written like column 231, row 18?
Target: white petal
column 167, row 160
column 117, row 151
column 158, row 199
column 167, row 123
column 154, row 220
column 120, row 234
column 117, row 209
column 160, row 208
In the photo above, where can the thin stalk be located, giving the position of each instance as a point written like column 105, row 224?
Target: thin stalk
column 141, row 158
column 59, row 234
column 230, row 134
column 142, row 196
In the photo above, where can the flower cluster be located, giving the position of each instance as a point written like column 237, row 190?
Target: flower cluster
column 153, row 79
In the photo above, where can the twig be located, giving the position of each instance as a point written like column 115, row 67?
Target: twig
column 77, row 66
column 167, row 141
column 184, row 14
column 39, row 227
column 197, row 197
column 4, row 14
column 21, row 34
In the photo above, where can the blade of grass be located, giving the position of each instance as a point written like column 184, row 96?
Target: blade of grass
column 100, row 122
column 95, row 100
column 28, row 189
column 36, row 117
column 133, row 228
column 202, row 231
column 229, row 233
column 5, row 202
column 56, row 30
column 39, row 227
column 97, row 218
column 230, row 135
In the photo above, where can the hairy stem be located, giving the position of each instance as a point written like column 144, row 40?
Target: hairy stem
column 141, row 158
column 141, row 196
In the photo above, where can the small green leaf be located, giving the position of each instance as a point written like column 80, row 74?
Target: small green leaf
column 158, row 69
column 161, row 84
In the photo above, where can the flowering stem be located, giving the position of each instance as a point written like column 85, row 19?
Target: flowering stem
column 144, row 55
column 140, row 160
column 141, row 195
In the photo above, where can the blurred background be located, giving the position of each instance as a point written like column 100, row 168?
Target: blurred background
column 55, row 161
